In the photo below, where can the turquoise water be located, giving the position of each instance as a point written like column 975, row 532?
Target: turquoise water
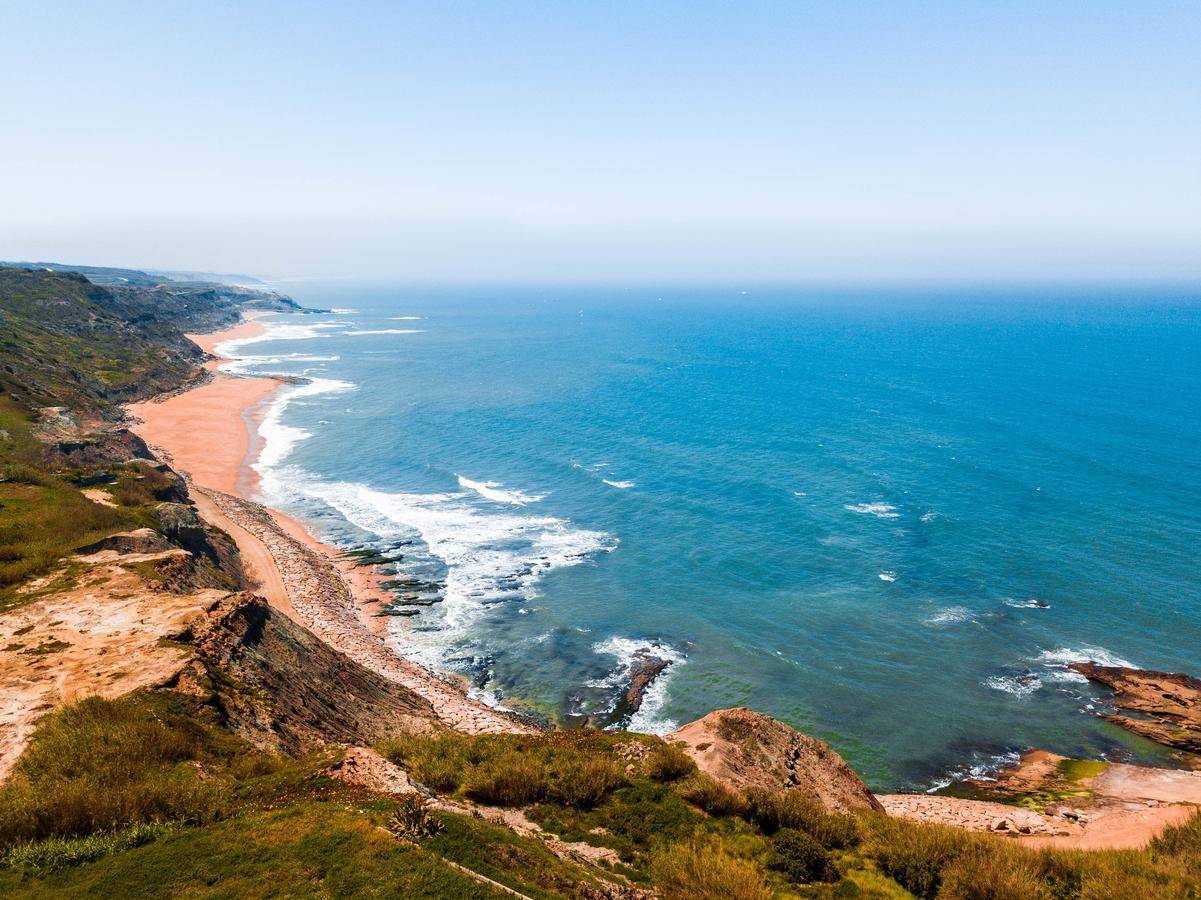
column 888, row 518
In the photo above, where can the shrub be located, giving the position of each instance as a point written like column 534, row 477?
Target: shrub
column 714, row 797
column 773, row 810
column 800, row 858
column 98, row 765
column 57, row 853
column 993, row 871
column 438, row 763
column 585, row 782
column 1180, row 841
column 512, row 779
column 669, row 763
column 915, row 855
column 412, row 819
column 699, row 870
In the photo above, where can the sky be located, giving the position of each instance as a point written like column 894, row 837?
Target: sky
column 740, row 141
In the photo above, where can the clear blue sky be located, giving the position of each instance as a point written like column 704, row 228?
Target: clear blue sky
column 621, row 140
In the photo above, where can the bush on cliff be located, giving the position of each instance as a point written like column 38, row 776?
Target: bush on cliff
column 103, row 764
column 706, row 870
column 774, row 810
column 799, row 857
column 669, row 762
column 713, row 797
column 513, row 779
column 585, row 782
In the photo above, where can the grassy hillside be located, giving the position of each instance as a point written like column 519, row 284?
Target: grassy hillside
column 151, row 796
column 67, row 342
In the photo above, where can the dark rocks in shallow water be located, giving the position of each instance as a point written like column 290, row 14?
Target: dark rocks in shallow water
column 644, row 669
column 409, row 584
column 398, row 611
column 1170, row 703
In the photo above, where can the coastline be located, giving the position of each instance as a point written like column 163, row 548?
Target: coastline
column 209, row 433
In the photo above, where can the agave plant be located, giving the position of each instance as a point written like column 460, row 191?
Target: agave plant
column 413, row 820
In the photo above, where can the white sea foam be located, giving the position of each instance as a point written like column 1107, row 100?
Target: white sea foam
column 929, row 516
column 489, row 556
column 879, row 510
column 646, row 720
column 343, row 312
column 1063, row 656
column 1021, row 685
column 280, row 439
column 492, row 490
column 618, row 484
column 1056, row 662
column 888, row 576
column 277, row 331
column 386, row 331
column 978, row 770
column 1026, row 603
column 951, row 615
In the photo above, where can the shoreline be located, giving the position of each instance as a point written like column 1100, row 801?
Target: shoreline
column 209, row 433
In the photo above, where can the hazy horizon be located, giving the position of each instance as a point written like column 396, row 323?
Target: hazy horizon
column 834, row 143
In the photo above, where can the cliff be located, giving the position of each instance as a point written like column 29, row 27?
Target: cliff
column 748, row 750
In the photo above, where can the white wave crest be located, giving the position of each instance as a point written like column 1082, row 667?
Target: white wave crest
column 1026, row 603
column 1064, row 656
column 979, row 770
column 386, row 331
column 280, row 439
column 1022, row 685
column 618, row 484
column 879, row 510
column 488, row 555
column 888, row 576
column 951, row 615
column 492, row 490
column 276, row 331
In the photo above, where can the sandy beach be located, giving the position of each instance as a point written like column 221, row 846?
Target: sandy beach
column 209, row 434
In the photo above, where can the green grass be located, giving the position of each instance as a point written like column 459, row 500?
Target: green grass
column 150, row 796
column 44, row 517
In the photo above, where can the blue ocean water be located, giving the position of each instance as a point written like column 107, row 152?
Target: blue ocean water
column 889, row 518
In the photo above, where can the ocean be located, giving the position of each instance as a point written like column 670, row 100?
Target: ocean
column 889, row 518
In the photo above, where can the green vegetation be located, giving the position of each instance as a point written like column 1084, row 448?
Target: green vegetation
column 69, row 343
column 800, row 857
column 413, row 820
column 1080, row 769
column 150, row 795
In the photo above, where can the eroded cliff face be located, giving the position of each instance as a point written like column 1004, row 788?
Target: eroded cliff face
column 749, row 750
column 282, row 688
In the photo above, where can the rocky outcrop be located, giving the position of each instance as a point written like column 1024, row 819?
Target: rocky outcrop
column 142, row 540
column 101, row 448
column 282, row 688
column 364, row 767
column 749, row 750
column 214, row 550
column 644, row 669
column 1168, row 704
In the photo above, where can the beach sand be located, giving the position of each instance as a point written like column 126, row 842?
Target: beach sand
column 209, row 433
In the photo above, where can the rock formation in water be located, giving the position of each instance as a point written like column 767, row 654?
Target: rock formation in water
column 1168, row 705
